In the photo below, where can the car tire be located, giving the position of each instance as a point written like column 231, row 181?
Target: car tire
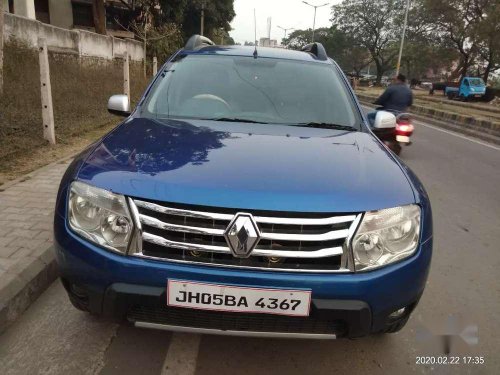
column 395, row 326
column 78, row 304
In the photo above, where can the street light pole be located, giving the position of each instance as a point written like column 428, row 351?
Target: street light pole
column 314, row 20
column 285, row 29
column 398, row 66
column 202, row 26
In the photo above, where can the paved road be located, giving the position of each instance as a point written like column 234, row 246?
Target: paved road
column 462, row 178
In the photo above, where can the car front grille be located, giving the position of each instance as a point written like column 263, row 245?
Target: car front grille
column 289, row 241
column 229, row 321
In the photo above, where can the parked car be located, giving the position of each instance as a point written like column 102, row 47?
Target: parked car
column 245, row 195
column 467, row 88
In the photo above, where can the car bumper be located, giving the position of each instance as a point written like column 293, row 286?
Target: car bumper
column 343, row 304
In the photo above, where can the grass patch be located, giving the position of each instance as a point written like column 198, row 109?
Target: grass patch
column 24, row 163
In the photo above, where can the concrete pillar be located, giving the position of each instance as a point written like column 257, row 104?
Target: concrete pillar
column 46, row 93
column 25, row 8
column 126, row 76
column 61, row 13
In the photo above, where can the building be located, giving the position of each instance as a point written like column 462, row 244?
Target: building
column 74, row 14
column 266, row 42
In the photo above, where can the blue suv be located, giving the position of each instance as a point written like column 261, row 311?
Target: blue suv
column 244, row 195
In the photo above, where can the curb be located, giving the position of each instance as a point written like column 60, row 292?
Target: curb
column 23, row 283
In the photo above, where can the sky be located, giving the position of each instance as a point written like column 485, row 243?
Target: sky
column 284, row 13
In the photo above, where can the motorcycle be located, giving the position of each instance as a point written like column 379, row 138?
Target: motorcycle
column 395, row 136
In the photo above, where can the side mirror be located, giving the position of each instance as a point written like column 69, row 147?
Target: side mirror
column 384, row 120
column 119, row 105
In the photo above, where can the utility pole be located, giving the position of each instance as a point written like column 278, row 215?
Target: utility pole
column 202, row 26
column 403, row 37
column 126, row 76
column 1, row 47
column 285, row 29
column 145, row 47
column 46, row 93
column 314, row 19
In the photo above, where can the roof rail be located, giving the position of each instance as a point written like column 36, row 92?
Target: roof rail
column 317, row 50
column 197, row 41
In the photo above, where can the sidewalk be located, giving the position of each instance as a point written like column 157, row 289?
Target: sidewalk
column 27, row 263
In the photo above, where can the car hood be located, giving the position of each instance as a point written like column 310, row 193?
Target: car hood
column 247, row 166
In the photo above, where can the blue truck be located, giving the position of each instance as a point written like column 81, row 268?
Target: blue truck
column 468, row 88
column 245, row 195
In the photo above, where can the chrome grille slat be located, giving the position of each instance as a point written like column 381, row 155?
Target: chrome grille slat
column 327, row 252
column 258, row 219
column 153, row 222
column 323, row 253
column 306, row 244
column 179, row 212
column 332, row 235
column 157, row 240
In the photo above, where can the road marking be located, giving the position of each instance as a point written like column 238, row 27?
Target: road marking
column 458, row 135
column 182, row 354
column 451, row 133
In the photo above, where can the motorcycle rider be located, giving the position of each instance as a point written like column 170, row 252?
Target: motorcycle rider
column 396, row 98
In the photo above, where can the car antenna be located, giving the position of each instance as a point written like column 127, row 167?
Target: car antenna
column 255, row 33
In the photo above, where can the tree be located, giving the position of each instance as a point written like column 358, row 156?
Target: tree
column 164, row 25
column 355, row 59
column 456, row 21
column 425, row 50
column 222, row 37
column 485, row 35
column 338, row 45
column 1, row 47
column 159, row 38
column 299, row 38
column 99, row 15
column 372, row 24
column 422, row 57
column 218, row 15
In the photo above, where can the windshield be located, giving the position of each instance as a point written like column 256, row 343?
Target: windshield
column 258, row 90
column 476, row 82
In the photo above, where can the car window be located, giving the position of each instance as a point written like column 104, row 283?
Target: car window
column 263, row 89
column 476, row 81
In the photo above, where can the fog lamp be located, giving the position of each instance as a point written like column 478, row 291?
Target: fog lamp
column 398, row 313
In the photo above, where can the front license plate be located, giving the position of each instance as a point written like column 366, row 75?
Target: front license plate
column 477, row 96
column 402, row 138
column 196, row 295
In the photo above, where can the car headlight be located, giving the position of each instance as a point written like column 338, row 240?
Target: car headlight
column 386, row 236
column 100, row 216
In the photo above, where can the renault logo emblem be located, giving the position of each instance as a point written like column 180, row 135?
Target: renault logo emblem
column 242, row 235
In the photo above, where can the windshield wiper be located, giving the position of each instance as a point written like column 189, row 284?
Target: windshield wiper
column 236, row 119
column 326, row 125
